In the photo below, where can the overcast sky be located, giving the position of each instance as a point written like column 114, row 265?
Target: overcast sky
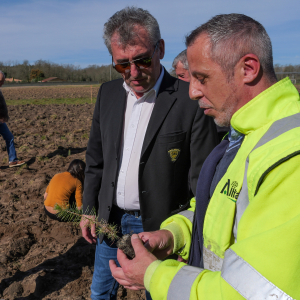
column 70, row 31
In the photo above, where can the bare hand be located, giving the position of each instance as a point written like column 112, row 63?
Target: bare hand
column 160, row 242
column 131, row 274
column 88, row 229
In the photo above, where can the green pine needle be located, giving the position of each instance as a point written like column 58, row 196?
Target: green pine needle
column 74, row 215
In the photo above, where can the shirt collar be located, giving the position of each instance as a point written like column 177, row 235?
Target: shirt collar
column 155, row 88
column 234, row 136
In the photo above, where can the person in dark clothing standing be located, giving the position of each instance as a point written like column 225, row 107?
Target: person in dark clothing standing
column 5, row 132
column 146, row 134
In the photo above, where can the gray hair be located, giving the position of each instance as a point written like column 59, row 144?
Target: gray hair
column 232, row 36
column 123, row 23
column 181, row 57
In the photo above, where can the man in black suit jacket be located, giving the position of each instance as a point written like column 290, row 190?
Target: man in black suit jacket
column 147, row 138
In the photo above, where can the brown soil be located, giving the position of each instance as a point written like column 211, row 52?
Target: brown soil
column 125, row 245
column 54, row 92
column 41, row 258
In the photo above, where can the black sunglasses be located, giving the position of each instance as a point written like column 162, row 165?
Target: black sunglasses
column 140, row 63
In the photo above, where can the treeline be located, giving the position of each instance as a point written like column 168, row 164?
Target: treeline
column 45, row 69
column 286, row 68
column 42, row 69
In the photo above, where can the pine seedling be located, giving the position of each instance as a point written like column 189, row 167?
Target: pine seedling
column 74, row 215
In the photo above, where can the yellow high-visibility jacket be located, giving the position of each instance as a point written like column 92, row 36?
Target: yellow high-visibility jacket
column 252, row 224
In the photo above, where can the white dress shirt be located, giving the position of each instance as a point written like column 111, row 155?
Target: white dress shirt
column 137, row 116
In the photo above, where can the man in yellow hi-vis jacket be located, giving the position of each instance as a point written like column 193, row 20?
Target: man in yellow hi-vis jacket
column 241, row 234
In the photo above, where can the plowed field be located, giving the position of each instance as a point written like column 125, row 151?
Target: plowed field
column 53, row 92
column 41, row 258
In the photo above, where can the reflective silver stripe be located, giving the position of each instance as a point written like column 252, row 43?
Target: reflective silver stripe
column 212, row 261
column 277, row 128
column 180, row 287
column 242, row 201
column 248, row 281
column 188, row 214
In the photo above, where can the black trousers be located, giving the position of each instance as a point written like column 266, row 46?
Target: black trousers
column 54, row 216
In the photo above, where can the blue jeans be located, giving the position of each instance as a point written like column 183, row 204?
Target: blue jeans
column 9, row 139
column 104, row 286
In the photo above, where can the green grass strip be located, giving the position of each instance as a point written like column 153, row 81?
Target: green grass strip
column 48, row 101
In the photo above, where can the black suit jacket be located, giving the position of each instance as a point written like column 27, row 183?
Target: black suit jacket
column 176, row 122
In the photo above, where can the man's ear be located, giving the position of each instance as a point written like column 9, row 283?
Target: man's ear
column 161, row 49
column 250, row 68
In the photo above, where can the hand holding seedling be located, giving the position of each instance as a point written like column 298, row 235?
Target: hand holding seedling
column 88, row 229
column 88, row 221
column 160, row 242
column 91, row 227
column 132, row 271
